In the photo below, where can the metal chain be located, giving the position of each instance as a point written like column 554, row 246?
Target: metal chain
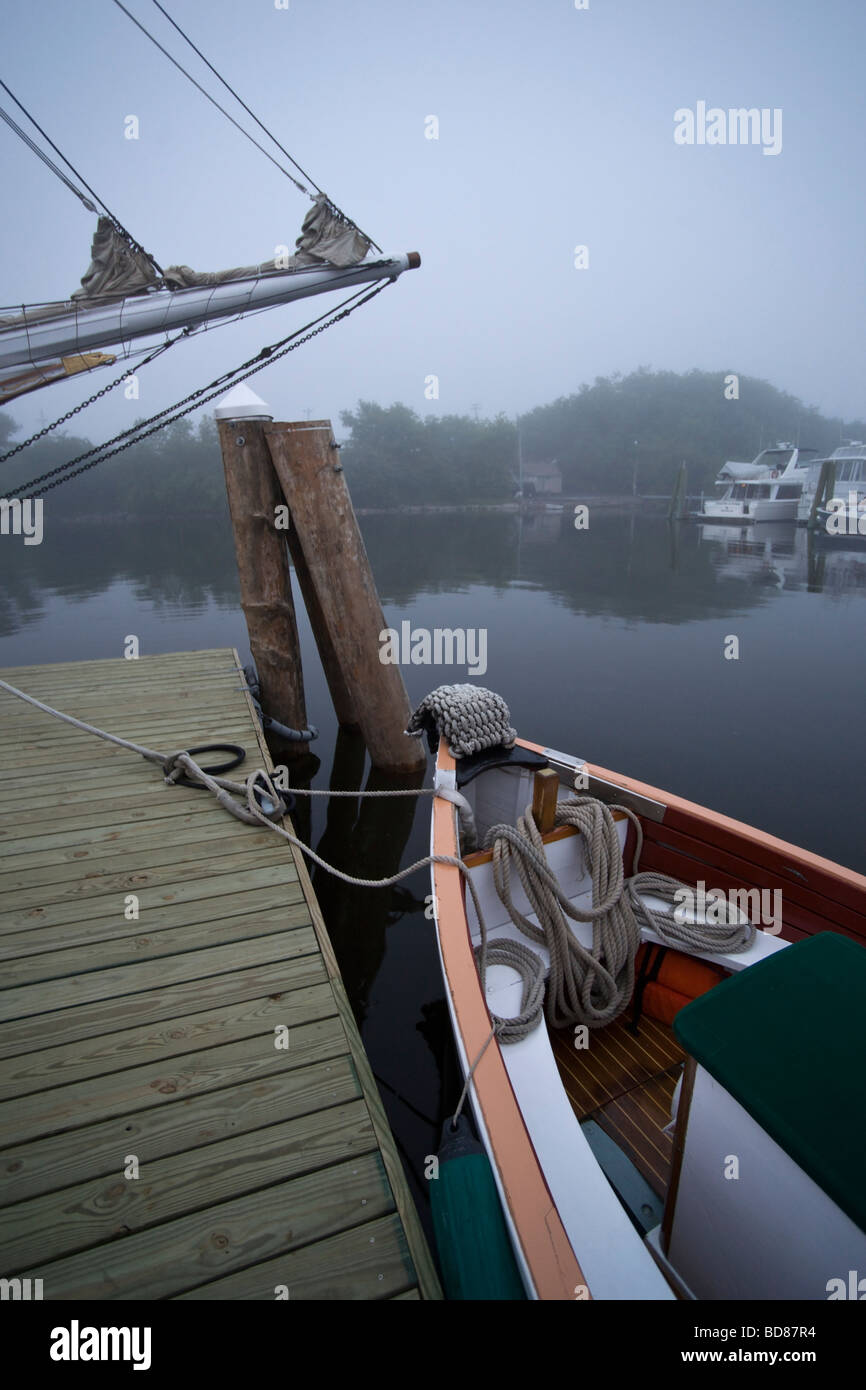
column 163, row 347
column 200, row 397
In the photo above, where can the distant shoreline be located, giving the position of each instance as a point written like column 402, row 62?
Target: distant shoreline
column 535, row 504
column 610, row 503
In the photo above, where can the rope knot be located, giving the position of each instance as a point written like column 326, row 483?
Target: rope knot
column 173, row 768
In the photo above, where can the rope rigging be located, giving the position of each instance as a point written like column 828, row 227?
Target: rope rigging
column 40, row 154
column 157, row 352
column 136, row 433
column 300, row 186
column 260, row 124
column 128, row 353
column 118, row 225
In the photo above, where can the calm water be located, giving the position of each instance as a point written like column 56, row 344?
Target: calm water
column 608, row 643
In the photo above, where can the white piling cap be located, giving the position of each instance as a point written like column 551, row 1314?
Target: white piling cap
column 240, row 403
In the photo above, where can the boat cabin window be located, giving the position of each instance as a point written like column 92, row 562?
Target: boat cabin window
column 850, row 471
column 775, row 458
column 757, row 490
column 789, row 490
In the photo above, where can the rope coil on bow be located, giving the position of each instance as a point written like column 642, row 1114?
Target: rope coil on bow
column 590, row 985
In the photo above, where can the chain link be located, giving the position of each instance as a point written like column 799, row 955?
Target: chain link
column 265, row 358
column 163, row 347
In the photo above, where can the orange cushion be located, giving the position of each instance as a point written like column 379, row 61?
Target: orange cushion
column 681, row 979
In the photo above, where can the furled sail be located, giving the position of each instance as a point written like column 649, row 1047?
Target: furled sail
column 115, row 269
column 326, row 239
column 124, row 296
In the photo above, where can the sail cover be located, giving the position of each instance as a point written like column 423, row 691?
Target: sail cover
column 326, row 239
column 115, row 268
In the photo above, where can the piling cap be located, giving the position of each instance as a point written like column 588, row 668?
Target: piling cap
column 240, row 403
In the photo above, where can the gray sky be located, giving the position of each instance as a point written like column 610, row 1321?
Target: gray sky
column 555, row 129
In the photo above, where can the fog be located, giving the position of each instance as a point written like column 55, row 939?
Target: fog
column 556, row 130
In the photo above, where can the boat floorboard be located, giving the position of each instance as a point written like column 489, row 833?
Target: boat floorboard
column 186, row 1108
column 625, row 1082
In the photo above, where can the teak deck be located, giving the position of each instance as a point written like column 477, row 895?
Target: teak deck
column 150, row 1044
column 625, row 1082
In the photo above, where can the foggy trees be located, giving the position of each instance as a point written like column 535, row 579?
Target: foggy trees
column 394, row 457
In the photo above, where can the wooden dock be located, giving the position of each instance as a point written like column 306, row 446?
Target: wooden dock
column 156, row 1139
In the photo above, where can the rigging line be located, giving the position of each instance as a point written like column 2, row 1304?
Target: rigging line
column 40, row 154
column 197, row 399
column 211, row 99
column 204, row 393
column 259, row 123
column 157, row 352
column 136, row 245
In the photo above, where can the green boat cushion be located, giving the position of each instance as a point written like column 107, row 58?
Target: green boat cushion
column 785, row 1039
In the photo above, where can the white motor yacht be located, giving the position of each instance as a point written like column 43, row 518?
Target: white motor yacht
column 767, row 489
column 844, row 475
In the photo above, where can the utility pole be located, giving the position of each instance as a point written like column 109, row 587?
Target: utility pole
column 519, row 455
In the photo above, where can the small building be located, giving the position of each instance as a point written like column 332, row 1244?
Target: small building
column 541, row 478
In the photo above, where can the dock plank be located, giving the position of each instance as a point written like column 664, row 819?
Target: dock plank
column 259, row 1165
column 179, row 1255
column 61, row 1066
column 50, row 995
column 367, row 1262
column 119, row 1093
column 94, row 1212
column 59, row 1161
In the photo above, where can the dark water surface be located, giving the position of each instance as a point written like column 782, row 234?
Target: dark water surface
column 608, row 643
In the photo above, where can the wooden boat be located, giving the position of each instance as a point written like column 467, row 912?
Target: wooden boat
column 601, row 1200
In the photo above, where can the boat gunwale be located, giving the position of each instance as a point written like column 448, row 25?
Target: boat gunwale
column 549, row 1257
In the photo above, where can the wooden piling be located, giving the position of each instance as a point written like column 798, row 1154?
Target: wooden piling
column 678, row 497
column 337, row 582
column 264, row 572
column 824, row 490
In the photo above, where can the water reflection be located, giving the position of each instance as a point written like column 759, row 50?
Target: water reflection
column 787, row 556
column 180, row 566
column 634, row 566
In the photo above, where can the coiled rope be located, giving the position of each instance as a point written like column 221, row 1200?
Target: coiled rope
column 590, row 985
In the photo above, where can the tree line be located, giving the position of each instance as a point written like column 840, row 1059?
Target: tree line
column 604, row 438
